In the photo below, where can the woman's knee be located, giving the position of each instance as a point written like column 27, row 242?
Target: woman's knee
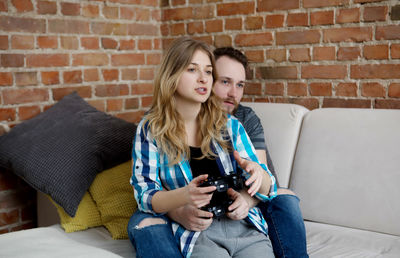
column 151, row 222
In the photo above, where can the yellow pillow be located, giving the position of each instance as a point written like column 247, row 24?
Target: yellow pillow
column 113, row 195
column 86, row 216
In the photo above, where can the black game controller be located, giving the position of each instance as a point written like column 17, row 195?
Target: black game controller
column 220, row 200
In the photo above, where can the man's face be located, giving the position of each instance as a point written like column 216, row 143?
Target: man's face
column 230, row 83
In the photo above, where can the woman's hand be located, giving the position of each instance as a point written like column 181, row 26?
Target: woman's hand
column 258, row 174
column 199, row 196
column 239, row 209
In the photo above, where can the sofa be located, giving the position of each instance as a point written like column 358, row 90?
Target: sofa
column 344, row 164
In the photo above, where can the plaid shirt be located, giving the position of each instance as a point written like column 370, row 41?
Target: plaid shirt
column 151, row 173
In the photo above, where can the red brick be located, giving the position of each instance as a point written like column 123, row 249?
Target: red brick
column 320, row 89
column 144, row 44
column 127, row 59
column 275, row 89
column 127, row 13
column 146, row 101
column 394, row 90
column 233, row 24
column 104, row 28
column 22, row 42
column 323, row 53
column 146, row 74
column 142, row 14
column 22, row 5
column 59, row 93
column 346, row 89
column 114, row 104
column 395, row 51
column 28, row 112
column 354, row 34
column 256, row 88
column 297, row 19
column 110, row 12
column 375, row 13
column 372, row 89
column 127, row 44
column 254, row 22
column 109, row 43
column 178, row 2
column 375, row 71
column 323, row 71
column 177, row 14
column 278, row 72
column 272, row 5
column 3, row 5
column 278, row 55
column 69, row 42
column 110, row 74
column 111, row 90
column 90, row 42
column 349, row 53
column 348, row 15
column 255, row 55
column 226, row 9
column 204, row 12
column 322, row 18
column 3, row 42
column 387, row 32
column 376, row 52
column 346, row 103
column 7, row 114
column 299, row 55
column 297, row 89
column 195, row 27
column 12, row 60
column 20, row 96
column 142, row 88
column 69, row 26
column 132, row 103
column 323, row 3
column 26, row 78
column 90, row 75
column 255, row 39
column 177, row 29
column 21, row 24
column 47, row 41
column 7, row 218
column 274, row 20
column 142, row 29
column 387, row 103
column 153, row 59
column 46, row 7
column 72, row 77
column 90, row 59
column 6, row 79
column 129, row 74
column 71, row 9
column 367, row 1
column 47, row 60
column 91, row 11
column 133, row 117
column 297, row 37
column 214, row 26
column 49, row 78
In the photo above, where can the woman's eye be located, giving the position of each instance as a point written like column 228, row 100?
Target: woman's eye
column 191, row 69
column 209, row 72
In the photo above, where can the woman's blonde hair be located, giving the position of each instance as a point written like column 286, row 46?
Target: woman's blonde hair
column 164, row 121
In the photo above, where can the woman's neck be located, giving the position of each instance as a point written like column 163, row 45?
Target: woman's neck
column 189, row 114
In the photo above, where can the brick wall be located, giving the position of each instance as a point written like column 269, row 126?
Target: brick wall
column 316, row 53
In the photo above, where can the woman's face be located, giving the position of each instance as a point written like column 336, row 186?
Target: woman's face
column 195, row 83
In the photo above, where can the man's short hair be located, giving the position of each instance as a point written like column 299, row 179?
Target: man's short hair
column 232, row 53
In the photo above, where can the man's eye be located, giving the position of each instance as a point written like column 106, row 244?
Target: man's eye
column 225, row 81
column 240, row 85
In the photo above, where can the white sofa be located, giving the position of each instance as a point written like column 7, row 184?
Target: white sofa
column 344, row 164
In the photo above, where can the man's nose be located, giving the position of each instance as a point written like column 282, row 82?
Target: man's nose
column 232, row 91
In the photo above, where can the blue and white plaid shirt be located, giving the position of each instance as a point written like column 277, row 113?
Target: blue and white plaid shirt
column 151, row 173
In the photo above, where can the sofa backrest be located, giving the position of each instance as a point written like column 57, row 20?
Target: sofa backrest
column 346, row 169
column 281, row 123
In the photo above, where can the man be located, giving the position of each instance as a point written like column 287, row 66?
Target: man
column 285, row 223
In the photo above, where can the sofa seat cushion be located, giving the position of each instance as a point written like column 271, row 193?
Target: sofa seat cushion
column 325, row 240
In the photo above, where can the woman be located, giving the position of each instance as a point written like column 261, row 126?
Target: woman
column 186, row 126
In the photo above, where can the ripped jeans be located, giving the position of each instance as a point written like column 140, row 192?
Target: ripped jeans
column 155, row 240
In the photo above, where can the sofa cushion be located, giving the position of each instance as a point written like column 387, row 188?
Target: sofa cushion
column 346, row 168
column 60, row 151
column 281, row 123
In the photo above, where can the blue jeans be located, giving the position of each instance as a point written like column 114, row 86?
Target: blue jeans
column 285, row 229
column 155, row 240
column 285, row 226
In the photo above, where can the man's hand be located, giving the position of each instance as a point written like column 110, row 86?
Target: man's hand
column 239, row 209
column 258, row 178
column 192, row 218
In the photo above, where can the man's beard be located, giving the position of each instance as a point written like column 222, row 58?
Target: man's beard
column 235, row 104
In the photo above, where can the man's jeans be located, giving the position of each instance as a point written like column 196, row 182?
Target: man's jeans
column 285, row 229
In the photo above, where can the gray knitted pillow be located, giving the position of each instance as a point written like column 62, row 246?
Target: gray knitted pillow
column 60, row 151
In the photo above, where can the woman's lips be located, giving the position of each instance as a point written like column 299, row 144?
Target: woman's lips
column 201, row 90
